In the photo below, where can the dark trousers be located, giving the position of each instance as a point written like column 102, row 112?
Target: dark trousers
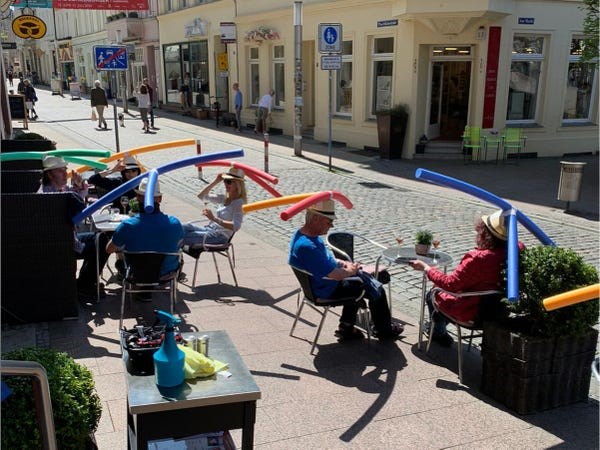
column 87, row 274
column 380, row 311
column 440, row 322
column 151, row 113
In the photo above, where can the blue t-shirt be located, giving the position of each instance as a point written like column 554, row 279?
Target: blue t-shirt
column 310, row 254
column 237, row 101
column 156, row 232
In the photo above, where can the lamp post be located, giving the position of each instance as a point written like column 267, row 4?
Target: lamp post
column 56, row 58
column 298, row 78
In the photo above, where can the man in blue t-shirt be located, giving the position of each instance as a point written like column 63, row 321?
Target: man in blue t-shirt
column 330, row 275
column 155, row 232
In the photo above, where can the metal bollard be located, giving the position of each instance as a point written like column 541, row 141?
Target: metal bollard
column 266, row 142
column 199, row 152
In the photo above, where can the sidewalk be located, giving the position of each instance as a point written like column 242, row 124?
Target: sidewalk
column 378, row 396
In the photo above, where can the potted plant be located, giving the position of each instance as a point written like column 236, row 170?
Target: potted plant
column 132, row 14
column 536, row 359
column 75, row 404
column 391, row 129
column 423, row 240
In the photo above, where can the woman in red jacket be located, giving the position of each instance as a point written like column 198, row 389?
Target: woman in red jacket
column 479, row 270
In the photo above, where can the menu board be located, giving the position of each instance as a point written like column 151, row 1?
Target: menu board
column 17, row 106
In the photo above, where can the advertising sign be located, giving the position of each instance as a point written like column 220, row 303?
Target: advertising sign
column 491, row 77
column 228, row 33
column 29, row 27
column 121, row 5
column 32, row 3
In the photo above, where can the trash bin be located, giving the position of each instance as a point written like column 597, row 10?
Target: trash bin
column 569, row 186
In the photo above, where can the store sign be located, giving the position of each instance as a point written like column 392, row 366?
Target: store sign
column 491, row 77
column 387, row 23
column 195, row 28
column 32, row 3
column 228, row 33
column 526, row 20
column 9, row 46
column 29, row 27
column 120, row 5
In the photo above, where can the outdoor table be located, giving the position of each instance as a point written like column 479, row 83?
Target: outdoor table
column 103, row 223
column 203, row 405
column 402, row 255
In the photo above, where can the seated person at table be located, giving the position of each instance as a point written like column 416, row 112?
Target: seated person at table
column 330, row 275
column 229, row 214
column 479, row 270
column 54, row 179
column 153, row 231
column 129, row 169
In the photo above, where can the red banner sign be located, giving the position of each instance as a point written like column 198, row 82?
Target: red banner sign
column 491, row 77
column 121, row 5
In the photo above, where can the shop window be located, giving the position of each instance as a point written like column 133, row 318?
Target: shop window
column 180, row 59
column 343, row 82
column 253, row 69
column 382, row 68
column 581, row 85
column 279, row 75
column 525, row 78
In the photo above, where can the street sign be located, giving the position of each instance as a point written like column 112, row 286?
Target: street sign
column 331, row 62
column 330, row 38
column 111, row 57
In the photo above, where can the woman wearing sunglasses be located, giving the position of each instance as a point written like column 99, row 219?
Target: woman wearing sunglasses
column 228, row 217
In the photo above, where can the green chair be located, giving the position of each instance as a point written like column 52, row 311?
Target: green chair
column 472, row 143
column 513, row 139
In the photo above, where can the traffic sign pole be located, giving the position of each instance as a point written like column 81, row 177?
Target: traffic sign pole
column 330, row 114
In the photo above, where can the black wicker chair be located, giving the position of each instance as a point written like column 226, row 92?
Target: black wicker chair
column 20, row 181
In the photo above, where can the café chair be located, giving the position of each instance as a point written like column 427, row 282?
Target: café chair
column 472, row 143
column 226, row 250
column 513, row 139
column 489, row 307
column 343, row 245
column 142, row 275
column 323, row 305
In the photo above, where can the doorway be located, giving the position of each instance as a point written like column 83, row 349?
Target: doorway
column 448, row 108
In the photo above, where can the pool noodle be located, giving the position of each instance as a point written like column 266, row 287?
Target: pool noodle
column 150, row 188
column 246, row 168
column 16, row 156
column 134, row 182
column 318, row 197
column 572, row 297
column 94, row 164
column 270, row 189
column 272, row 202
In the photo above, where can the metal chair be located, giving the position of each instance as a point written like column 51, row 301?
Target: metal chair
column 322, row 306
column 214, row 249
column 488, row 309
column 513, row 139
column 343, row 244
column 472, row 143
column 142, row 274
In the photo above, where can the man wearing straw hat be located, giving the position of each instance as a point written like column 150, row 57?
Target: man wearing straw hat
column 128, row 168
column 155, row 231
column 330, row 275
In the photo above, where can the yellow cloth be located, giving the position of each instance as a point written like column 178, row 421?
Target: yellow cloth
column 198, row 365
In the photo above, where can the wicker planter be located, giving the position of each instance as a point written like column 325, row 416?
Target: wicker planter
column 529, row 374
column 422, row 249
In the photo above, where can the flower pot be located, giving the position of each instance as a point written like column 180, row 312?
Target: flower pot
column 390, row 132
column 422, row 249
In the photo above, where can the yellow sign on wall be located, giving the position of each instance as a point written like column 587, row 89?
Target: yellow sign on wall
column 222, row 61
column 29, row 27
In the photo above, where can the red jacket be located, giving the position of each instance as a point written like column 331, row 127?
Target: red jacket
column 479, row 270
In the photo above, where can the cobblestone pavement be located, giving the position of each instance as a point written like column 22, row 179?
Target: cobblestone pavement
column 387, row 202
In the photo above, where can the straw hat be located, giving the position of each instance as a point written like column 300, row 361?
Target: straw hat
column 496, row 224
column 131, row 163
column 53, row 162
column 143, row 185
column 325, row 208
column 233, row 174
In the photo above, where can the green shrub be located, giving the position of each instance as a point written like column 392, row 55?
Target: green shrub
column 29, row 136
column 75, row 403
column 424, row 237
column 398, row 110
column 545, row 271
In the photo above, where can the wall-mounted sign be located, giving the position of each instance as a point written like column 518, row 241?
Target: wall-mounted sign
column 29, row 27
column 222, row 61
column 228, row 33
column 32, row 3
column 195, row 28
column 491, row 77
column 9, row 46
column 331, row 62
column 120, row 5
column 387, row 23
column 526, row 20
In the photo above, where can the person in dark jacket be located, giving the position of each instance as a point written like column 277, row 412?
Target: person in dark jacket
column 30, row 99
column 99, row 101
column 129, row 169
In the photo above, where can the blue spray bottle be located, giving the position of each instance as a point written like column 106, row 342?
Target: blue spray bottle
column 168, row 359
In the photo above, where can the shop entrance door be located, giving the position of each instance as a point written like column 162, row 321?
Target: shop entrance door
column 448, row 108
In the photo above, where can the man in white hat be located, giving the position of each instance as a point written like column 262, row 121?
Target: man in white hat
column 330, row 275
column 154, row 231
column 128, row 168
column 55, row 179
column 479, row 270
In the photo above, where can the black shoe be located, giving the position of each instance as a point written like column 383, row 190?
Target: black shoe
column 347, row 333
column 87, row 298
column 443, row 339
column 395, row 330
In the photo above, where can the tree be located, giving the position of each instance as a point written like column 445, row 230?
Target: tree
column 590, row 30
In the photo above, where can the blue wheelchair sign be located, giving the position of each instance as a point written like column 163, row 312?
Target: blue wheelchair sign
column 113, row 57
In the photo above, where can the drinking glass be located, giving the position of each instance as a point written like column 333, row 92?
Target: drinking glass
column 124, row 203
column 436, row 244
column 399, row 240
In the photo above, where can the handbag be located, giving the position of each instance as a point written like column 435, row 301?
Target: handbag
column 94, row 118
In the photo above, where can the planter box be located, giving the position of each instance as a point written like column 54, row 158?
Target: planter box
column 529, row 374
column 390, row 132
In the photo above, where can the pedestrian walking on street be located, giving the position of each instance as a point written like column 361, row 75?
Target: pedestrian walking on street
column 263, row 113
column 99, row 101
column 151, row 107
column 143, row 98
column 30, row 99
column 237, row 105
column 10, row 77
